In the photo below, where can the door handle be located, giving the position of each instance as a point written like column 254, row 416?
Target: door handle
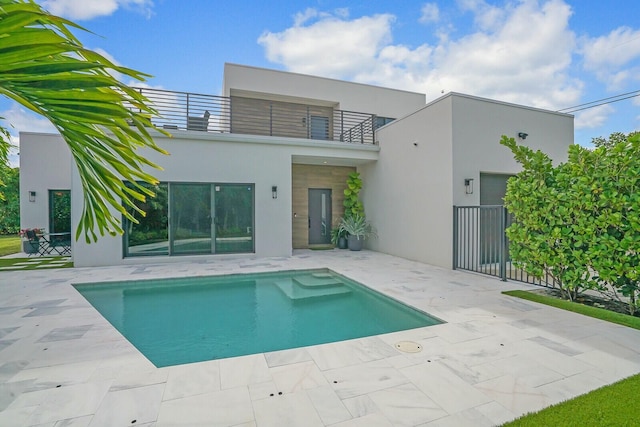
column 309, row 222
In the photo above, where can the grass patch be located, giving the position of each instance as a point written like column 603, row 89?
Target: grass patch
column 10, row 244
column 35, row 263
column 612, row 405
column 598, row 313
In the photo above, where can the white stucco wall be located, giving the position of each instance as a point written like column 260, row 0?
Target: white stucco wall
column 407, row 193
column 349, row 96
column 478, row 125
column 225, row 158
column 45, row 164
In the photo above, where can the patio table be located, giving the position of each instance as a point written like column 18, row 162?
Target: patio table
column 59, row 243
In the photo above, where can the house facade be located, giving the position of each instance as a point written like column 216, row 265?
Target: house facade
column 261, row 169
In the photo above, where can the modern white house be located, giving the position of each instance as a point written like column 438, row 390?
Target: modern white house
column 261, row 169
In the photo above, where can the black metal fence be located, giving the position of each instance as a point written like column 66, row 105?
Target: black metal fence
column 480, row 243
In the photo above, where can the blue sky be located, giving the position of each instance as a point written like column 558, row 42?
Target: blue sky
column 551, row 54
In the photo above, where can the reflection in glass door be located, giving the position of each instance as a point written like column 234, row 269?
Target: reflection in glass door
column 190, row 206
column 200, row 218
column 233, row 218
column 59, row 211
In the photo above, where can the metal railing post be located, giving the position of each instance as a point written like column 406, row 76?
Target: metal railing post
column 373, row 129
column 503, row 244
column 455, row 237
column 270, row 118
column 187, row 116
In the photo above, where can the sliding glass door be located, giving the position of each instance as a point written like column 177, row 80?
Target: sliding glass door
column 190, row 218
column 203, row 218
column 233, row 218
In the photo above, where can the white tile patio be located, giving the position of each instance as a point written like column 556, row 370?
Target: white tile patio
column 496, row 357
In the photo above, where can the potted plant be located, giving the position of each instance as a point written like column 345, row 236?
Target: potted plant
column 339, row 237
column 358, row 229
column 29, row 247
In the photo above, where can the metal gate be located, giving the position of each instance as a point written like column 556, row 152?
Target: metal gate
column 480, row 243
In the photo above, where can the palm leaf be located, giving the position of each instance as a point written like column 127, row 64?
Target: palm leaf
column 45, row 68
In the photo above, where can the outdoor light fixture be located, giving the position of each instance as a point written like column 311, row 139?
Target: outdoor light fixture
column 274, row 191
column 523, row 135
column 32, row 196
column 468, row 185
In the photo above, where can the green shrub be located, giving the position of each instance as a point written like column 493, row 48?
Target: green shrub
column 579, row 222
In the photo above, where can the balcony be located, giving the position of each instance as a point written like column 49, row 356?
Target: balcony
column 219, row 114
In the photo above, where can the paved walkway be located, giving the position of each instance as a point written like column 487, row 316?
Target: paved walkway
column 496, row 357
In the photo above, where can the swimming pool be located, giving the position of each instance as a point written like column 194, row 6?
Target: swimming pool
column 185, row 320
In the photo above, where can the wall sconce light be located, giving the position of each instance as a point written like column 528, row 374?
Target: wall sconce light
column 468, row 186
column 32, row 196
column 274, row 191
column 523, row 135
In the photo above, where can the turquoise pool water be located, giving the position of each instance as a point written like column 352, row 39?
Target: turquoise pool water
column 185, row 320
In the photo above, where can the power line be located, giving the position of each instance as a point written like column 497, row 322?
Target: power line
column 603, row 101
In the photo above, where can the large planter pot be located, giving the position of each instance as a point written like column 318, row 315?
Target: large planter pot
column 343, row 243
column 28, row 248
column 355, row 244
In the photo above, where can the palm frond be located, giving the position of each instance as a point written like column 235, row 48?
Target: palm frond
column 45, row 68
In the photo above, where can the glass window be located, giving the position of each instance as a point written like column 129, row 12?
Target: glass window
column 381, row 121
column 150, row 236
column 319, row 127
column 59, row 211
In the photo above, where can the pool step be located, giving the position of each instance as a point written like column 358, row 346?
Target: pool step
column 317, row 281
column 294, row 291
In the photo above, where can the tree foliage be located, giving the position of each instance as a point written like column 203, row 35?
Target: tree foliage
column 579, row 222
column 5, row 145
column 613, row 139
column 104, row 122
column 10, row 206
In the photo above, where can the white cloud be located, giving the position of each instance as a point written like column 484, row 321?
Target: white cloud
column 429, row 13
column 18, row 119
column 520, row 54
column 89, row 9
column 607, row 56
column 593, row 117
column 330, row 46
column 485, row 16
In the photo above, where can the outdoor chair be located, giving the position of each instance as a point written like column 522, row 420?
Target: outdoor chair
column 38, row 245
column 199, row 123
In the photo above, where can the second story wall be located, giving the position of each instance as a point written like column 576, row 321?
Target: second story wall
column 250, row 82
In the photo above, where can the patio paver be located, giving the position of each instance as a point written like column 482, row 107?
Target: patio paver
column 494, row 359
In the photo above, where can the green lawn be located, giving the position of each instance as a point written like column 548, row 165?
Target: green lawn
column 35, row 263
column 10, row 244
column 598, row 313
column 612, row 405
column 615, row 405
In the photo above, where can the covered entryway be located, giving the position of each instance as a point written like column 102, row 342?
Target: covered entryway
column 316, row 202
